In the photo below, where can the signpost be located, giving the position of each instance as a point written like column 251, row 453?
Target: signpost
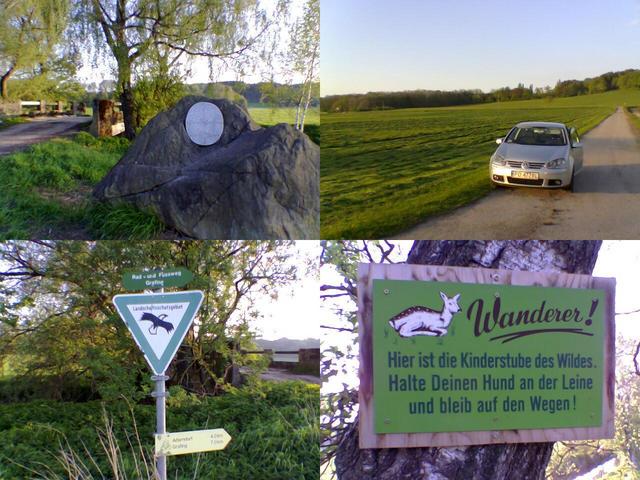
column 156, row 279
column 459, row 356
column 158, row 323
column 179, row 443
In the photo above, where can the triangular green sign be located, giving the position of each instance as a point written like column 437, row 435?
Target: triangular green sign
column 159, row 322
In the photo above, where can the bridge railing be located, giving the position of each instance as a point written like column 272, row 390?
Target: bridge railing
column 41, row 107
column 308, row 358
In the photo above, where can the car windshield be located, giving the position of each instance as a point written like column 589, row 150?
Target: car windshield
column 537, row 136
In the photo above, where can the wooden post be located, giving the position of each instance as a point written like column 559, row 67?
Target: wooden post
column 102, row 118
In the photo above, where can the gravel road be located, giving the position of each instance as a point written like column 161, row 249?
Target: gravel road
column 605, row 205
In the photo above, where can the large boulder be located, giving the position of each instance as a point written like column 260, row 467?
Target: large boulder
column 253, row 183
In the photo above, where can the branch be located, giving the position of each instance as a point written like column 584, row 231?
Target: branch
column 636, row 363
column 199, row 53
column 336, row 295
column 340, row 329
column 22, row 274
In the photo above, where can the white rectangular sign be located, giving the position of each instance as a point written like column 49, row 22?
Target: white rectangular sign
column 179, row 443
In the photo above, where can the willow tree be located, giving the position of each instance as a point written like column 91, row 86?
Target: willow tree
column 477, row 462
column 29, row 31
column 58, row 320
column 134, row 30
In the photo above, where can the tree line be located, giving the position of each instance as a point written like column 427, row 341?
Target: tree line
column 439, row 98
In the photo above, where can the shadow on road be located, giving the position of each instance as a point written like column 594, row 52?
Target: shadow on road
column 620, row 145
column 609, row 179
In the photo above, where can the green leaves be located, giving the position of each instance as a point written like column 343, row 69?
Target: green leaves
column 29, row 31
column 274, row 428
column 70, row 326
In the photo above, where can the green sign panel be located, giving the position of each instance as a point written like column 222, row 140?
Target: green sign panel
column 153, row 279
column 159, row 322
column 452, row 357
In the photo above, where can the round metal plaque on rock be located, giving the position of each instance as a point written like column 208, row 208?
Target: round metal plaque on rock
column 204, row 123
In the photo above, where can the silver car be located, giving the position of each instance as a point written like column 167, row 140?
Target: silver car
column 537, row 154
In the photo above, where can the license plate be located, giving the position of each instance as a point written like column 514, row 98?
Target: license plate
column 525, row 175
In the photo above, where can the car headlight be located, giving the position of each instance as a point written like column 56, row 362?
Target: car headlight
column 557, row 163
column 498, row 160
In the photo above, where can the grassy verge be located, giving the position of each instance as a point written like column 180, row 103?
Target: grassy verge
column 6, row 122
column 274, row 429
column 633, row 118
column 45, row 192
column 383, row 172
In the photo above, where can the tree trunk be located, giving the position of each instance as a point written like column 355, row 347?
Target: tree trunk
column 309, row 84
column 306, row 107
column 126, row 100
column 298, row 109
column 4, row 93
column 526, row 461
column 126, row 96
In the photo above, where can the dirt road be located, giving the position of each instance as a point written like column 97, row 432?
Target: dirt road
column 605, row 205
column 19, row 137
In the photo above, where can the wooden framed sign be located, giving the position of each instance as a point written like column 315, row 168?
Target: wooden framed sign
column 462, row 356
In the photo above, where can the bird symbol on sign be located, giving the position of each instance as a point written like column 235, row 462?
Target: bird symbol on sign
column 156, row 322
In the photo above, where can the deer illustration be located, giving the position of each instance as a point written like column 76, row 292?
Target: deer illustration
column 419, row 320
column 156, row 322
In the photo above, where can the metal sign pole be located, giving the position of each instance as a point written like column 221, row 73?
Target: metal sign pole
column 159, row 350
column 161, row 423
column 161, row 416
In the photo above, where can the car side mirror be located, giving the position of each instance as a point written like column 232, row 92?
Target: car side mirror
column 576, row 145
column 499, row 140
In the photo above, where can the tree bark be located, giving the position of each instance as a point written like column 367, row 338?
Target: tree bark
column 126, row 95
column 4, row 92
column 526, row 461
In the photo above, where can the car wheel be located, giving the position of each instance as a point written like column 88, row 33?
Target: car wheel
column 571, row 186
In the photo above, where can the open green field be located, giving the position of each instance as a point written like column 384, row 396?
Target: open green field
column 383, row 172
column 268, row 116
column 274, row 115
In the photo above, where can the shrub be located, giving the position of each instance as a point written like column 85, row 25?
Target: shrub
column 274, row 429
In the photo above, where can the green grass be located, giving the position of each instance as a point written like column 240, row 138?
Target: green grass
column 269, row 116
column 45, row 192
column 6, row 122
column 274, row 428
column 273, row 115
column 384, row 172
column 633, row 117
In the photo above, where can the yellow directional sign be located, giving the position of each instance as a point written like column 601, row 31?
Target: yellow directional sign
column 179, row 443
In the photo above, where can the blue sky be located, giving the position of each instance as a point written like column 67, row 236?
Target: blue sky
column 379, row 45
